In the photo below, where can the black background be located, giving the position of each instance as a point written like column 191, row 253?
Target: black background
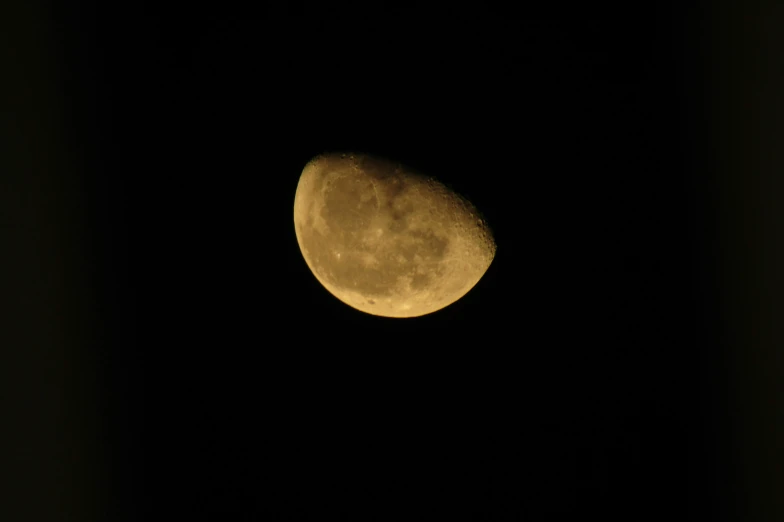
column 577, row 379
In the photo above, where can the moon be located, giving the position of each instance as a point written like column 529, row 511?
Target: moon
column 386, row 240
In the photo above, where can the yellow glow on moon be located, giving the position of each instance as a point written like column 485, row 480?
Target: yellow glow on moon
column 385, row 240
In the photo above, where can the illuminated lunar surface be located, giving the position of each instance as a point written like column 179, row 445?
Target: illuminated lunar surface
column 385, row 240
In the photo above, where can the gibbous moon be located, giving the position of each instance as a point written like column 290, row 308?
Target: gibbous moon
column 386, row 240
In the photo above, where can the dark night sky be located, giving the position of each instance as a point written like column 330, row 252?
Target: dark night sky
column 578, row 379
